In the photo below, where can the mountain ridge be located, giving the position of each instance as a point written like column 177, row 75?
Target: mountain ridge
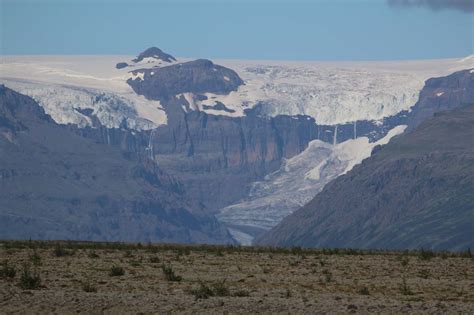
column 55, row 184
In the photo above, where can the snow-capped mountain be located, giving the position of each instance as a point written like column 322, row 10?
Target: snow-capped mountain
column 248, row 140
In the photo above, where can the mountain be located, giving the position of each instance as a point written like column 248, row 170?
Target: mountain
column 415, row 192
column 221, row 128
column 55, row 184
column 300, row 178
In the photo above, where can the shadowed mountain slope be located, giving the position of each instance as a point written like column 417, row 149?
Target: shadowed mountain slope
column 55, row 184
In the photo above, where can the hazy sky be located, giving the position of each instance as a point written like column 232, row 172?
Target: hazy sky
column 241, row 29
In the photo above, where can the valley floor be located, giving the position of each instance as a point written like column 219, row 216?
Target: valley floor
column 87, row 278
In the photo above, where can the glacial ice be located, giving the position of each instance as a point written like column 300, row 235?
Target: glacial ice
column 331, row 92
column 297, row 181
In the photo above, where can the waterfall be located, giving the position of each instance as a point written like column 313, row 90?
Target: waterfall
column 355, row 129
column 334, row 141
column 150, row 145
column 108, row 136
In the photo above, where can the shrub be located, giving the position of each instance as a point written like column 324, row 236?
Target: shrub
column 116, row 271
column 467, row 253
column 424, row 273
column 426, row 254
column 29, row 280
column 404, row 261
column 169, row 273
column 327, row 275
column 7, row 271
column 220, row 289
column 241, row 293
column 297, row 250
column 183, row 251
column 88, row 287
column 35, row 258
column 364, row 291
column 202, row 292
column 154, row 259
column 93, row 254
column 59, row 251
column 405, row 289
column 216, row 289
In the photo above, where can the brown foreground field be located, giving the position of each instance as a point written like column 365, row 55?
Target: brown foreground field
column 112, row 278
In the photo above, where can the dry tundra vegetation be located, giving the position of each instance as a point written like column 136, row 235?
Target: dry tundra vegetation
column 114, row 278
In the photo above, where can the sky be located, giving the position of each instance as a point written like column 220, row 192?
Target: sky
column 241, row 29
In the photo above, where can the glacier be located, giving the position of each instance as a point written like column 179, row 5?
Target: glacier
column 331, row 92
column 64, row 84
column 297, row 181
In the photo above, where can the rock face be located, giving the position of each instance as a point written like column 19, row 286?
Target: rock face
column 216, row 157
column 55, row 184
column 417, row 191
column 198, row 76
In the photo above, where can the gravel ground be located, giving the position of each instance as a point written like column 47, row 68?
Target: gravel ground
column 228, row 280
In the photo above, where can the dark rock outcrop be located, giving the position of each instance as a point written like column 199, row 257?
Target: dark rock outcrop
column 415, row 192
column 198, row 76
column 55, row 184
column 154, row 52
column 121, row 65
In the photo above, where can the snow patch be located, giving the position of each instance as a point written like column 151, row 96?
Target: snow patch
column 189, row 97
column 137, row 75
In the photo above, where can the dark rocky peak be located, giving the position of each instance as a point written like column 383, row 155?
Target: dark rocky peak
column 16, row 110
column 443, row 93
column 198, row 76
column 154, row 52
column 204, row 63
